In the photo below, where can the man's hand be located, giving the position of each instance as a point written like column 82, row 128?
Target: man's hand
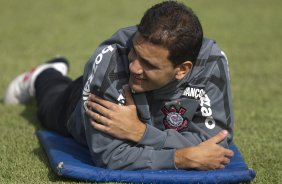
column 118, row 121
column 205, row 156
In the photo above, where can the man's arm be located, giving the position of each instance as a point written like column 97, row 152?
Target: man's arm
column 214, row 114
column 205, row 156
column 120, row 154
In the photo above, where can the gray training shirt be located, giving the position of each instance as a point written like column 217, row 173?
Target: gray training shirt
column 182, row 113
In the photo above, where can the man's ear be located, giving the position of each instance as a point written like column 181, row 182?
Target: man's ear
column 183, row 69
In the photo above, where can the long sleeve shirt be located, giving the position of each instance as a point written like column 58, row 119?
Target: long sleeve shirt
column 180, row 114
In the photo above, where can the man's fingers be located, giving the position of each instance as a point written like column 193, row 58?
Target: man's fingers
column 221, row 166
column 225, row 161
column 100, row 101
column 92, row 114
column 218, row 137
column 99, row 127
column 97, row 117
column 98, row 108
column 229, row 153
column 128, row 95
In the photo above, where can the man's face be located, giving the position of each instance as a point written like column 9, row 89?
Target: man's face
column 149, row 67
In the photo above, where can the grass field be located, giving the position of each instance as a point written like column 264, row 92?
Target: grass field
column 249, row 32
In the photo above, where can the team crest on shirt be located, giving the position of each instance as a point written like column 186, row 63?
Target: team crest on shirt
column 174, row 118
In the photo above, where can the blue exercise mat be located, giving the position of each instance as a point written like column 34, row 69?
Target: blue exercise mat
column 72, row 160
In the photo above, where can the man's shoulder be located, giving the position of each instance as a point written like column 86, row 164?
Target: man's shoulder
column 209, row 48
column 124, row 33
column 209, row 58
column 128, row 29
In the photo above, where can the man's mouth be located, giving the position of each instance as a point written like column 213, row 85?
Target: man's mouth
column 136, row 79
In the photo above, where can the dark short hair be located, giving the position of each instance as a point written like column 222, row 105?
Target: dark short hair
column 175, row 27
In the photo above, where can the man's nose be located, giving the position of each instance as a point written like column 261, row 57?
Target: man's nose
column 135, row 66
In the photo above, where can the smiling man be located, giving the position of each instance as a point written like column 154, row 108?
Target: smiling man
column 149, row 66
column 153, row 96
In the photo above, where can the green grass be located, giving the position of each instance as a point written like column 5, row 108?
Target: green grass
column 249, row 32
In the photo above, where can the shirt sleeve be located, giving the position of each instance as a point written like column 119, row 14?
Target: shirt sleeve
column 112, row 153
column 213, row 113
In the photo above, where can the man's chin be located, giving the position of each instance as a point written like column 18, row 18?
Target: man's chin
column 135, row 89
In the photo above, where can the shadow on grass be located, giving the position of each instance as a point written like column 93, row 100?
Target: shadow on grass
column 40, row 153
column 30, row 114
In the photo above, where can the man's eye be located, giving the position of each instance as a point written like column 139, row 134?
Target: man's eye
column 149, row 66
